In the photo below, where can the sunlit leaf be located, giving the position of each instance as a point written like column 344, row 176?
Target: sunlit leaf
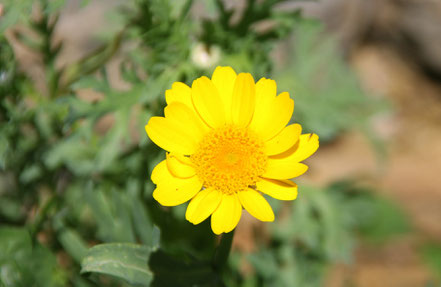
column 123, row 260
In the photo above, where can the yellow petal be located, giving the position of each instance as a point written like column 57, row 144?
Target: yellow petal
column 170, row 190
column 179, row 166
column 286, row 165
column 207, row 102
column 180, row 93
column 284, row 140
column 170, row 137
column 227, row 215
column 203, row 205
column 279, row 189
column 266, row 91
column 183, row 159
column 244, row 98
column 159, row 172
column 276, row 116
column 284, row 169
column 186, row 119
column 308, row 144
column 223, row 78
column 256, row 204
column 304, row 148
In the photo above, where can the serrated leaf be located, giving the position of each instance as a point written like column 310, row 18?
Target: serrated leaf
column 148, row 233
column 112, row 214
column 73, row 243
column 126, row 261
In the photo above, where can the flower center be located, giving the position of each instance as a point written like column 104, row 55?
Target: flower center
column 230, row 159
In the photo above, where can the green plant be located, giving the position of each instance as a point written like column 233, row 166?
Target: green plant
column 75, row 195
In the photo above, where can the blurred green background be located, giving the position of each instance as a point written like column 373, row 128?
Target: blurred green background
column 79, row 80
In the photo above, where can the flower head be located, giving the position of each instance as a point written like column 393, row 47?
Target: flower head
column 228, row 142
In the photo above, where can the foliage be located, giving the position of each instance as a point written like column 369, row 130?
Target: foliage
column 75, row 198
column 26, row 264
column 124, row 260
column 431, row 253
column 328, row 97
column 319, row 230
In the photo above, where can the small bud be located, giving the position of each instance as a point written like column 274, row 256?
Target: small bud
column 204, row 56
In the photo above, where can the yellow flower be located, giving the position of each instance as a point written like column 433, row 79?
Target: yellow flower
column 227, row 143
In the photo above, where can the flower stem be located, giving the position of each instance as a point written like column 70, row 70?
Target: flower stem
column 41, row 215
column 222, row 251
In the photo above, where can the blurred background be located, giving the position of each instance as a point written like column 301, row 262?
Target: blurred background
column 79, row 79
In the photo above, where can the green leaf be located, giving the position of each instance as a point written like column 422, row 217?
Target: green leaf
column 15, row 11
column 329, row 99
column 384, row 220
column 23, row 264
column 10, row 208
column 74, row 152
column 111, row 143
column 73, row 243
column 112, row 213
column 123, row 260
column 431, row 253
column 142, row 224
column 14, row 241
column 264, row 262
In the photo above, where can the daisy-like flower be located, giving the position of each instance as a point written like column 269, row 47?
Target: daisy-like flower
column 227, row 142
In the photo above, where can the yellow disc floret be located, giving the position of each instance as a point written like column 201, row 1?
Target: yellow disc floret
column 230, row 159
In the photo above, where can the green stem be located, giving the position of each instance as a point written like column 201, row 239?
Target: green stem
column 42, row 215
column 222, row 251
